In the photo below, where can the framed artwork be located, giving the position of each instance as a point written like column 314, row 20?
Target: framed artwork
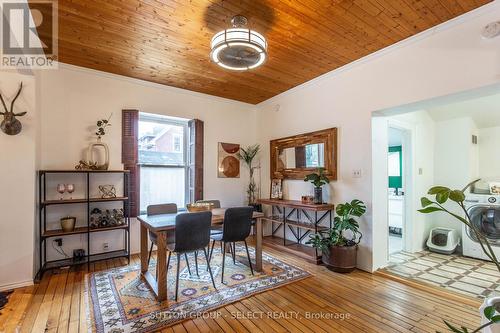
column 276, row 189
column 228, row 161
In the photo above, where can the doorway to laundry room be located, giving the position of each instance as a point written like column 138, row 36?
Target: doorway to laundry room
column 449, row 141
column 397, row 187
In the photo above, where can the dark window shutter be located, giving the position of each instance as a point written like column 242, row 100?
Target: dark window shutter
column 130, row 156
column 195, row 160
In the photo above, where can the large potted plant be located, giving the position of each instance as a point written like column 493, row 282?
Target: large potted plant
column 247, row 155
column 442, row 195
column 318, row 180
column 339, row 245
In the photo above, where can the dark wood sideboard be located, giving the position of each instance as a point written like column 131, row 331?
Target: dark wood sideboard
column 301, row 219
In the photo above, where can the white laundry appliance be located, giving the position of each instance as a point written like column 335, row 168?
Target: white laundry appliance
column 484, row 212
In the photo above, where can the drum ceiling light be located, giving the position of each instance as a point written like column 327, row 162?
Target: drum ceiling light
column 238, row 48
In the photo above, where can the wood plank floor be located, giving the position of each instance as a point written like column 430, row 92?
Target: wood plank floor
column 367, row 303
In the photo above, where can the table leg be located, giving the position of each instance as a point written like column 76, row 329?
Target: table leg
column 144, row 249
column 161, row 263
column 258, row 246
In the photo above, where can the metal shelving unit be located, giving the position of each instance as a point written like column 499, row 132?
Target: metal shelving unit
column 45, row 235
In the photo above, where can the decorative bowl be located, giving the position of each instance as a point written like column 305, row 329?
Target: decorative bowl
column 199, row 207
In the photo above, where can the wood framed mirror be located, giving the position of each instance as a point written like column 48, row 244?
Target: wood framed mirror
column 296, row 156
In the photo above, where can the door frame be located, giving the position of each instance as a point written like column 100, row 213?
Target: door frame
column 408, row 167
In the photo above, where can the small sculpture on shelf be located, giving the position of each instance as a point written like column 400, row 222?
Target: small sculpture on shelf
column 107, row 218
column 107, row 191
column 86, row 165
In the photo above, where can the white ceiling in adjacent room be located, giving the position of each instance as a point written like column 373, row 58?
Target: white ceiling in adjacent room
column 485, row 111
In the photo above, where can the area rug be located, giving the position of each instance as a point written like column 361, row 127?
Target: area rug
column 119, row 301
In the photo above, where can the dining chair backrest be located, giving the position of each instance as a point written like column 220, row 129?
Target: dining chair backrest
column 216, row 203
column 169, row 208
column 237, row 224
column 192, row 231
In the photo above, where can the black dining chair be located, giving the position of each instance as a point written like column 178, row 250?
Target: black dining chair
column 169, row 208
column 236, row 228
column 192, row 234
column 216, row 229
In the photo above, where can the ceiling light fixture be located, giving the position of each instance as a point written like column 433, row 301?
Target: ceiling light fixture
column 238, row 48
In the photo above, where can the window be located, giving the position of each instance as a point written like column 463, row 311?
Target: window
column 163, row 160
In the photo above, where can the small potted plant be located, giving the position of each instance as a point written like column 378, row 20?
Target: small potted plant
column 339, row 245
column 318, row 180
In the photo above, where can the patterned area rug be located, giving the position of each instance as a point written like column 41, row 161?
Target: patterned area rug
column 119, row 301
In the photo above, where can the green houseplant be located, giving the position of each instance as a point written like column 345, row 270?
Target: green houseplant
column 247, row 155
column 442, row 195
column 318, row 180
column 339, row 244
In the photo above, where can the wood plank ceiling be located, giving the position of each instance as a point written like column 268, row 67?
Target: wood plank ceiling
column 168, row 41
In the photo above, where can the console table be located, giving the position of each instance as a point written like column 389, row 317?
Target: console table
column 301, row 219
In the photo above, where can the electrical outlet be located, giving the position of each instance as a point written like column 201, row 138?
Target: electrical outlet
column 356, row 173
column 105, row 246
column 58, row 241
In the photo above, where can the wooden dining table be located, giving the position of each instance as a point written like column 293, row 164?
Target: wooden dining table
column 161, row 225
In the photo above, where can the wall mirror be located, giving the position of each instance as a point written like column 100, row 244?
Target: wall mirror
column 296, row 156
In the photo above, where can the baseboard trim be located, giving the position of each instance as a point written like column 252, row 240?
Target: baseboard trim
column 16, row 285
column 431, row 289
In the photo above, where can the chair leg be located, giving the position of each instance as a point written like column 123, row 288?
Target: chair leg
column 196, row 262
column 223, row 260
column 177, row 278
column 150, row 251
column 168, row 260
column 187, row 263
column 209, row 268
column 234, row 252
column 211, row 251
column 248, row 256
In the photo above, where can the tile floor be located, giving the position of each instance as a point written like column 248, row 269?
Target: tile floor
column 473, row 277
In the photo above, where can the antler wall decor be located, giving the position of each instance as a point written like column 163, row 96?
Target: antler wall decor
column 10, row 124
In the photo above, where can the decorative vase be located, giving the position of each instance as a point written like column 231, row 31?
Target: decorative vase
column 93, row 147
column 490, row 301
column 318, row 195
column 68, row 223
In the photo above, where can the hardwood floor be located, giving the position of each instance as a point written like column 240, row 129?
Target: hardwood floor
column 369, row 303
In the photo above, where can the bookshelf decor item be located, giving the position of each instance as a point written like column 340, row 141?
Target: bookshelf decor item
column 96, row 219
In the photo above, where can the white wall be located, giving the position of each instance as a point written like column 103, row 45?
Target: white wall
column 17, row 185
column 489, row 153
column 449, row 59
column 456, row 162
column 73, row 98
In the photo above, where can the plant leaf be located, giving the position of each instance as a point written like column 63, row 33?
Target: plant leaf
column 495, row 319
column 457, row 196
column 437, row 189
column 428, row 210
column 489, row 311
column 442, row 196
column 425, row 202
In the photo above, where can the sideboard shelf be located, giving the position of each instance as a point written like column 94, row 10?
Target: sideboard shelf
column 301, row 220
column 80, row 230
column 47, row 235
column 78, row 201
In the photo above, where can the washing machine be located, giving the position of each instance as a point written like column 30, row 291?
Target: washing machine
column 484, row 212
